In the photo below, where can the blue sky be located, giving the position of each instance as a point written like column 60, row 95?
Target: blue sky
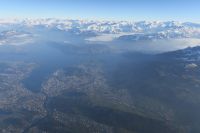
column 178, row 10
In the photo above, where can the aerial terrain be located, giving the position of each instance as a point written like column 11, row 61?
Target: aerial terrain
column 88, row 76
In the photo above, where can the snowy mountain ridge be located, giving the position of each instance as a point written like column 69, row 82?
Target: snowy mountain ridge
column 114, row 27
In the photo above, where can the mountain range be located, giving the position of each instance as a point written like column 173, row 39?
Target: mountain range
column 72, row 76
column 169, row 29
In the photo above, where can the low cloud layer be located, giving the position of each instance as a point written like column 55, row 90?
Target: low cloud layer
column 138, row 36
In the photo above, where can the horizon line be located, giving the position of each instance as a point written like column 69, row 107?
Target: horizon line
column 93, row 19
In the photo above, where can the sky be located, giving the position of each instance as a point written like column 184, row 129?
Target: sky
column 131, row 10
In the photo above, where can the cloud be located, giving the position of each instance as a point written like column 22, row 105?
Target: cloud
column 104, row 37
column 13, row 37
